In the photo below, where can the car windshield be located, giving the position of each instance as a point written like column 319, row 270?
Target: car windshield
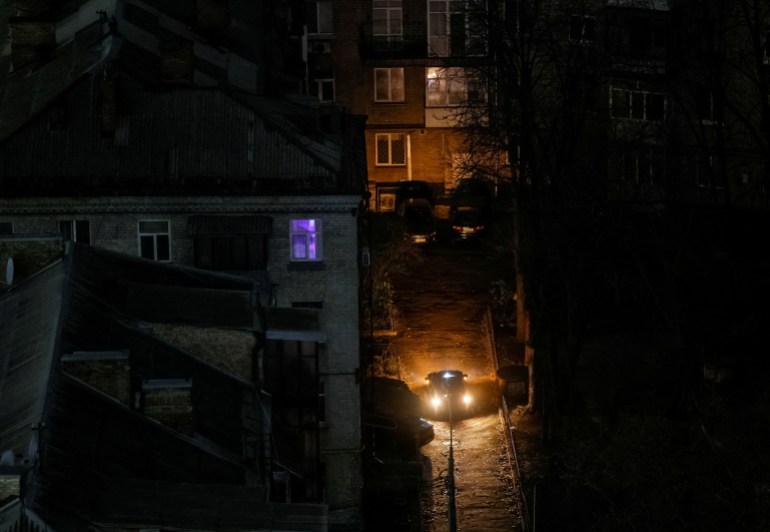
column 446, row 380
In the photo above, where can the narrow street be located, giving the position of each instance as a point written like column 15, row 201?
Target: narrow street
column 442, row 305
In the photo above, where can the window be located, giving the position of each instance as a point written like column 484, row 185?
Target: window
column 454, row 28
column 451, row 87
column 637, row 105
column 766, row 49
column 230, row 253
column 704, row 105
column 320, row 17
column 321, row 403
column 306, row 240
column 386, row 18
column 388, row 84
column 644, row 166
column 707, row 170
column 391, row 149
column 154, row 240
column 6, row 228
column 324, row 89
column 582, row 28
column 76, row 231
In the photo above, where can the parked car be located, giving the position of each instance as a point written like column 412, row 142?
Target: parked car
column 448, row 393
column 398, row 434
column 413, row 192
column 419, row 222
column 468, row 222
column 472, row 192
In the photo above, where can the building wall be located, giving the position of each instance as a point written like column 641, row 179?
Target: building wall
column 335, row 285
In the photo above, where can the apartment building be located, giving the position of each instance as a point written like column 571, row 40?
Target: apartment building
column 406, row 66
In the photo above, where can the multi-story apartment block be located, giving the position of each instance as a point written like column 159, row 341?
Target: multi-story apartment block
column 402, row 63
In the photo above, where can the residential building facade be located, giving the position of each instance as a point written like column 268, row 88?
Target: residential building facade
column 164, row 144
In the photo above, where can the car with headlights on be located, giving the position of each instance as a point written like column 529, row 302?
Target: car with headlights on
column 448, row 394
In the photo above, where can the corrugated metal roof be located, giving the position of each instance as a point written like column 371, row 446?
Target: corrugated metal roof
column 29, row 321
column 209, row 136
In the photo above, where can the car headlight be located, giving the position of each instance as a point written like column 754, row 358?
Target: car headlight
column 436, row 401
column 467, row 399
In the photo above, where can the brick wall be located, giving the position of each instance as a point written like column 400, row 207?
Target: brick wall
column 107, row 371
column 10, row 484
column 169, row 401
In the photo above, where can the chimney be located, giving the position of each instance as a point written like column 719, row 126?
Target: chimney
column 107, row 371
column 169, row 401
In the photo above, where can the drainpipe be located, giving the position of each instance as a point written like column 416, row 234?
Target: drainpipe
column 409, row 156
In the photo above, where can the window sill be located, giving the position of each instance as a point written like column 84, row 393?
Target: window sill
column 306, row 266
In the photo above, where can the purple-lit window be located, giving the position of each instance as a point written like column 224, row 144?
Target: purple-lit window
column 306, row 240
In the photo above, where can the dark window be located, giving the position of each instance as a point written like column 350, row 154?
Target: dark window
column 154, row 239
column 307, row 304
column 76, row 230
column 655, row 107
column 237, row 252
column 582, row 28
column 6, row 228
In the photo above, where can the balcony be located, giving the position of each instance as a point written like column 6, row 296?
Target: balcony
column 412, row 44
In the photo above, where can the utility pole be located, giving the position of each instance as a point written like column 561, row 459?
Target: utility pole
column 451, row 477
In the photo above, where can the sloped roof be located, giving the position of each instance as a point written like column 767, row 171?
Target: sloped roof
column 213, row 134
column 29, row 323
column 27, row 91
column 130, row 469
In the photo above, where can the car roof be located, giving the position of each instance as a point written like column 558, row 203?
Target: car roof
column 445, row 373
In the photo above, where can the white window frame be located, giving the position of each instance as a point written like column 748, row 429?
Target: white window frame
column 439, row 28
column 154, row 235
column 451, row 84
column 320, row 82
column 324, row 12
column 391, row 12
column 389, row 138
column 313, row 239
column 392, row 82
column 634, row 96
column 76, row 236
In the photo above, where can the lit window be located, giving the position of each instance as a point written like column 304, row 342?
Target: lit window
column 306, row 240
column 154, row 240
column 76, row 231
column 386, row 18
column 451, row 87
column 388, row 84
column 391, row 149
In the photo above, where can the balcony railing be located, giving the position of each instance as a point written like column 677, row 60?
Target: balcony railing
column 412, row 44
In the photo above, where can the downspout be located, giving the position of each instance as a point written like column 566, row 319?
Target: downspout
column 409, row 156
